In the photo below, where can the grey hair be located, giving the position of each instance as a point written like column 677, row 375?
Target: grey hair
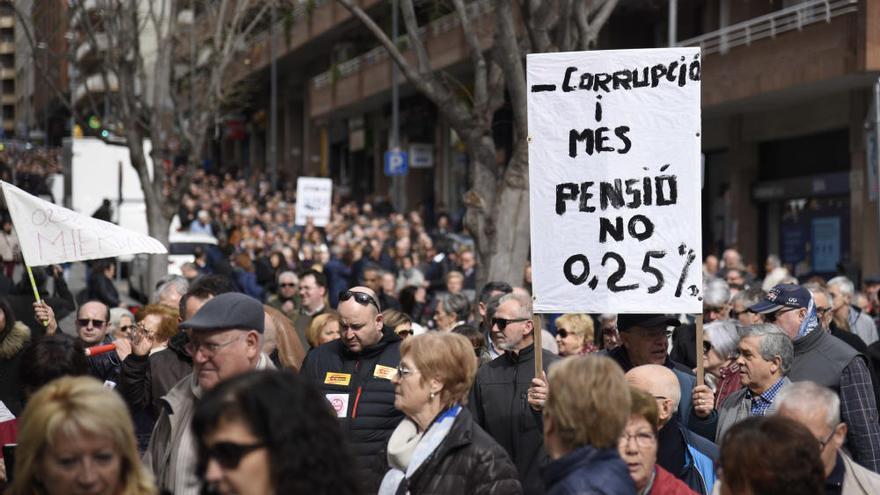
column 724, row 336
column 807, row 397
column 716, row 293
column 748, row 297
column 818, row 289
column 287, row 272
column 774, row 261
column 456, row 304
column 774, row 342
column 607, row 317
column 524, row 302
column 846, row 286
column 176, row 283
column 116, row 314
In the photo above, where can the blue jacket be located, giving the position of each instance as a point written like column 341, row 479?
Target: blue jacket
column 588, row 471
column 695, row 465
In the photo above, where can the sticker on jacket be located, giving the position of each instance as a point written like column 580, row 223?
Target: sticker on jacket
column 384, row 372
column 342, row 379
column 339, row 403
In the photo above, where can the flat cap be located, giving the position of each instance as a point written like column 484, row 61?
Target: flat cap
column 628, row 321
column 232, row 310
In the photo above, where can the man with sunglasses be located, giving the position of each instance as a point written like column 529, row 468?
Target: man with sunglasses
column 506, row 399
column 818, row 408
column 92, row 328
column 354, row 373
column 286, row 299
column 645, row 340
column 225, row 340
column 828, row 361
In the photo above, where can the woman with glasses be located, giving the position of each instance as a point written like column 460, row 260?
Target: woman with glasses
column 438, row 448
column 269, row 432
column 720, row 339
column 76, row 436
column 575, row 334
column 121, row 323
column 638, row 449
column 399, row 322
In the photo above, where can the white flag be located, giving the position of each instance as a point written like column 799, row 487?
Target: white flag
column 50, row 234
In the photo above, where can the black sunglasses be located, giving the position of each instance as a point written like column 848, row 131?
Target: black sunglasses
column 563, row 332
column 772, row 317
column 707, row 346
column 502, row 323
column 229, row 454
column 84, row 322
column 361, row 297
column 286, row 285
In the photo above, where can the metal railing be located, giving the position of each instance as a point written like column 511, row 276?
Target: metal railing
column 440, row 26
column 772, row 24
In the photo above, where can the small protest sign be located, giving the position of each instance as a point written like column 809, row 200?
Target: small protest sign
column 50, row 234
column 313, row 200
column 614, row 173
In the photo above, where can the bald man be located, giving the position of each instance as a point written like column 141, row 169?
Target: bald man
column 354, row 373
column 690, row 457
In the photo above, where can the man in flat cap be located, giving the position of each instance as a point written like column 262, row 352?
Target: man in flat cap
column 225, row 340
column 645, row 340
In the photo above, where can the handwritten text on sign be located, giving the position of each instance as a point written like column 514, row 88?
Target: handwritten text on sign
column 51, row 234
column 614, row 157
column 313, row 200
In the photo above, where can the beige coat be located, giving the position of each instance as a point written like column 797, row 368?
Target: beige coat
column 858, row 480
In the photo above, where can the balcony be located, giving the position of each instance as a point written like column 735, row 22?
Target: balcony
column 6, row 74
column 7, row 47
column 369, row 74
column 8, row 99
column 7, row 22
column 808, row 48
column 792, row 18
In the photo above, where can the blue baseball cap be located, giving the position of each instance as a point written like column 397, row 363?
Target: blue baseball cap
column 782, row 296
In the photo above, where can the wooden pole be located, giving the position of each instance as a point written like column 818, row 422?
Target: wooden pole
column 700, row 380
column 536, row 331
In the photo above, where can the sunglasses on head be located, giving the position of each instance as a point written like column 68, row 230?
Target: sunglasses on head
column 228, row 454
column 84, row 322
column 502, row 323
column 361, row 297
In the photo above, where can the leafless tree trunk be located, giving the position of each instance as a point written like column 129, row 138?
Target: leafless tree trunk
column 498, row 198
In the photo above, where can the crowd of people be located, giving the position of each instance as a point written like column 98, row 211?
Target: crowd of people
column 362, row 358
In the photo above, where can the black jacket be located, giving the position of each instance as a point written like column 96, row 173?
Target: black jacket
column 467, row 462
column 105, row 367
column 144, row 380
column 363, row 382
column 101, row 288
column 500, row 405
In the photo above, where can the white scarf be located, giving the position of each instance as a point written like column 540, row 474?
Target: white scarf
column 408, row 449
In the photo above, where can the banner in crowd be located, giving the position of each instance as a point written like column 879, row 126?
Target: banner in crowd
column 50, row 234
column 614, row 173
column 313, row 200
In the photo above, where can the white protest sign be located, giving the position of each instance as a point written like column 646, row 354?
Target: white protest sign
column 614, row 173
column 313, row 198
column 51, row 234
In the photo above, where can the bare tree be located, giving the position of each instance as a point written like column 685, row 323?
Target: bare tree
column 166, row 70
column 498, row 199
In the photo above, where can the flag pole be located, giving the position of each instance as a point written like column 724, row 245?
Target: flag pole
column 34, row 286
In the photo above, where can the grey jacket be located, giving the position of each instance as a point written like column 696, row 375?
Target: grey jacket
column 863, row 326
column 858, row 480
column 172, row 454
column 735, row 408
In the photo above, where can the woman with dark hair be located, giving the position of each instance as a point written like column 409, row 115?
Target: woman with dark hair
column 14, row 337
column 771, row 455
column 269, row 432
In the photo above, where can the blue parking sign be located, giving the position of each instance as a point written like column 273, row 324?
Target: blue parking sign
column 396, row 162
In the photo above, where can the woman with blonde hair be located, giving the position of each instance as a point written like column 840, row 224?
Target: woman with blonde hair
column 438, row 447
column 574, row 334
column 76, row 436
column 323, row 328
column 280, row 340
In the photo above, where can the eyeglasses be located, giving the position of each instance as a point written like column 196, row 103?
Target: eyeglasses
column 229, row 454
column 823, row 443
column 126, row 328
column 563, row 333
column 361, row 297
column 405, row 332
column 822, row 311
column 286, row 285
column 84, row 322
column 655, row 333
column 502, row 323
column 771, row 317
column 707, row 346
column 734, row 314
column 208, row 348
column 403, row 372
column 642, row 438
